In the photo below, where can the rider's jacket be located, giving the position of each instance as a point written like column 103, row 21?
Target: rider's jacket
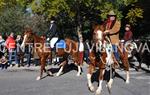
column 113, row 28
column 53, row 30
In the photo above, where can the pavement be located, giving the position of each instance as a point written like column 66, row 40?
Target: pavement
column 22, row 81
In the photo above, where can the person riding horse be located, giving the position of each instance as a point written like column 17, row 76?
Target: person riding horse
column 112, row 27
column 53, row 34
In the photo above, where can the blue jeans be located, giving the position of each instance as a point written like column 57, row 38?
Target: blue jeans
column 115, row 50
column 86, row 55
column 13, row 54
column 29, row 59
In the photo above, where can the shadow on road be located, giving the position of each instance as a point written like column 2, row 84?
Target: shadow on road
column 95, row 76
column 68, row 68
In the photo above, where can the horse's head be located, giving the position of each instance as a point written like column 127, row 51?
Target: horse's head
column 28, row 37
column 98, row 32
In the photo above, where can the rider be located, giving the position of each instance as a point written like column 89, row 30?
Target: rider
column 53, row 32
column 112, row 27
column 128, row 34
column 128, row 39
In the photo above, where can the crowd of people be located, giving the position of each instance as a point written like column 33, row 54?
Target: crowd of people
column 11, row 53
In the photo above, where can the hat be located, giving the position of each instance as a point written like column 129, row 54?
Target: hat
column 53, row 18
column 128, row 25
column 111, row 13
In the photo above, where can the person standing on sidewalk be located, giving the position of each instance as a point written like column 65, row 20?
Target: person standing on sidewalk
column 11, row 46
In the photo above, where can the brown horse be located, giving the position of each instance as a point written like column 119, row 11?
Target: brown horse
column 44, row 52
column 103, row 62
column 72, row 50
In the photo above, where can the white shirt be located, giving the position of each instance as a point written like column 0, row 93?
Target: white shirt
column 81, row 47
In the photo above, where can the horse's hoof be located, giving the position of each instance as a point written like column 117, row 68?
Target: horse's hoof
column 109, row 88
column 136, row 69
column 98, row 92
column 109, row 84
column 57, row 75
column 78, row 74
column 127, row 81
column 91, row 88
column 38, row 78
column 50, row 74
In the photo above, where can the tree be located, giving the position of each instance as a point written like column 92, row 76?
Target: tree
column 78, row 14
column 15, row 19
column 12, row 20
column 38, row 24
column 81, row 10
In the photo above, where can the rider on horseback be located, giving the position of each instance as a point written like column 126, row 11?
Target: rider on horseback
column 55, row 37
column 128, row 34
column 53, row 34
column 112, row 27
column 127, row 41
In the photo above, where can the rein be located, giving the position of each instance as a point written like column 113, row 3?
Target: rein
column 114, row 33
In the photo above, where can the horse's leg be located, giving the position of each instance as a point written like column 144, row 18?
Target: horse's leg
column 49, row 73
column 110, row 82
column 126, row 66
column 61, row 68
column 22, row 60
column 60, row 71
column 42, row 62
column 101, row 76
column 140, row 60
column 89, row 75
column 79, row 70
column 80, row 64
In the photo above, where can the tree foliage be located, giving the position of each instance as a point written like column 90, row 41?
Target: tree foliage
column 12, row 20
column 70, row 14
column 134, row 14
column 79, row 10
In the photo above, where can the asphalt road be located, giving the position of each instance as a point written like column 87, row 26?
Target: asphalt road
column 22, row 81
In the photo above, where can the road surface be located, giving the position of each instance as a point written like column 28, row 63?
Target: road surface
column 22, row 81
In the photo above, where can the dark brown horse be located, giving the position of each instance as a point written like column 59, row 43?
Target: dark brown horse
column 44, row 52
column 103, row 61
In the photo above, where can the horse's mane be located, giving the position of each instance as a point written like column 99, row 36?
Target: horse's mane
column 37, row 38
column 71, row 39
column 98, row 27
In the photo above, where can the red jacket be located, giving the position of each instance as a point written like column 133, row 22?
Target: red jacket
column 128, row 35
column 10, row 43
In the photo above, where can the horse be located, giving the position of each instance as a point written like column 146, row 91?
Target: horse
column 72, row 49
column 42, row 51
column 140, row 50
column 104, row 60
column 45, row 52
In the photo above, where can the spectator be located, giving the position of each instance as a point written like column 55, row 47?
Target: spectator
column 11, row 46
column 2, row 43
column 19, row 40
column 3, row 61
column 81, row 49
column 28, row 51
column 86, row 51
column 128, row 34
column 20, row 53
